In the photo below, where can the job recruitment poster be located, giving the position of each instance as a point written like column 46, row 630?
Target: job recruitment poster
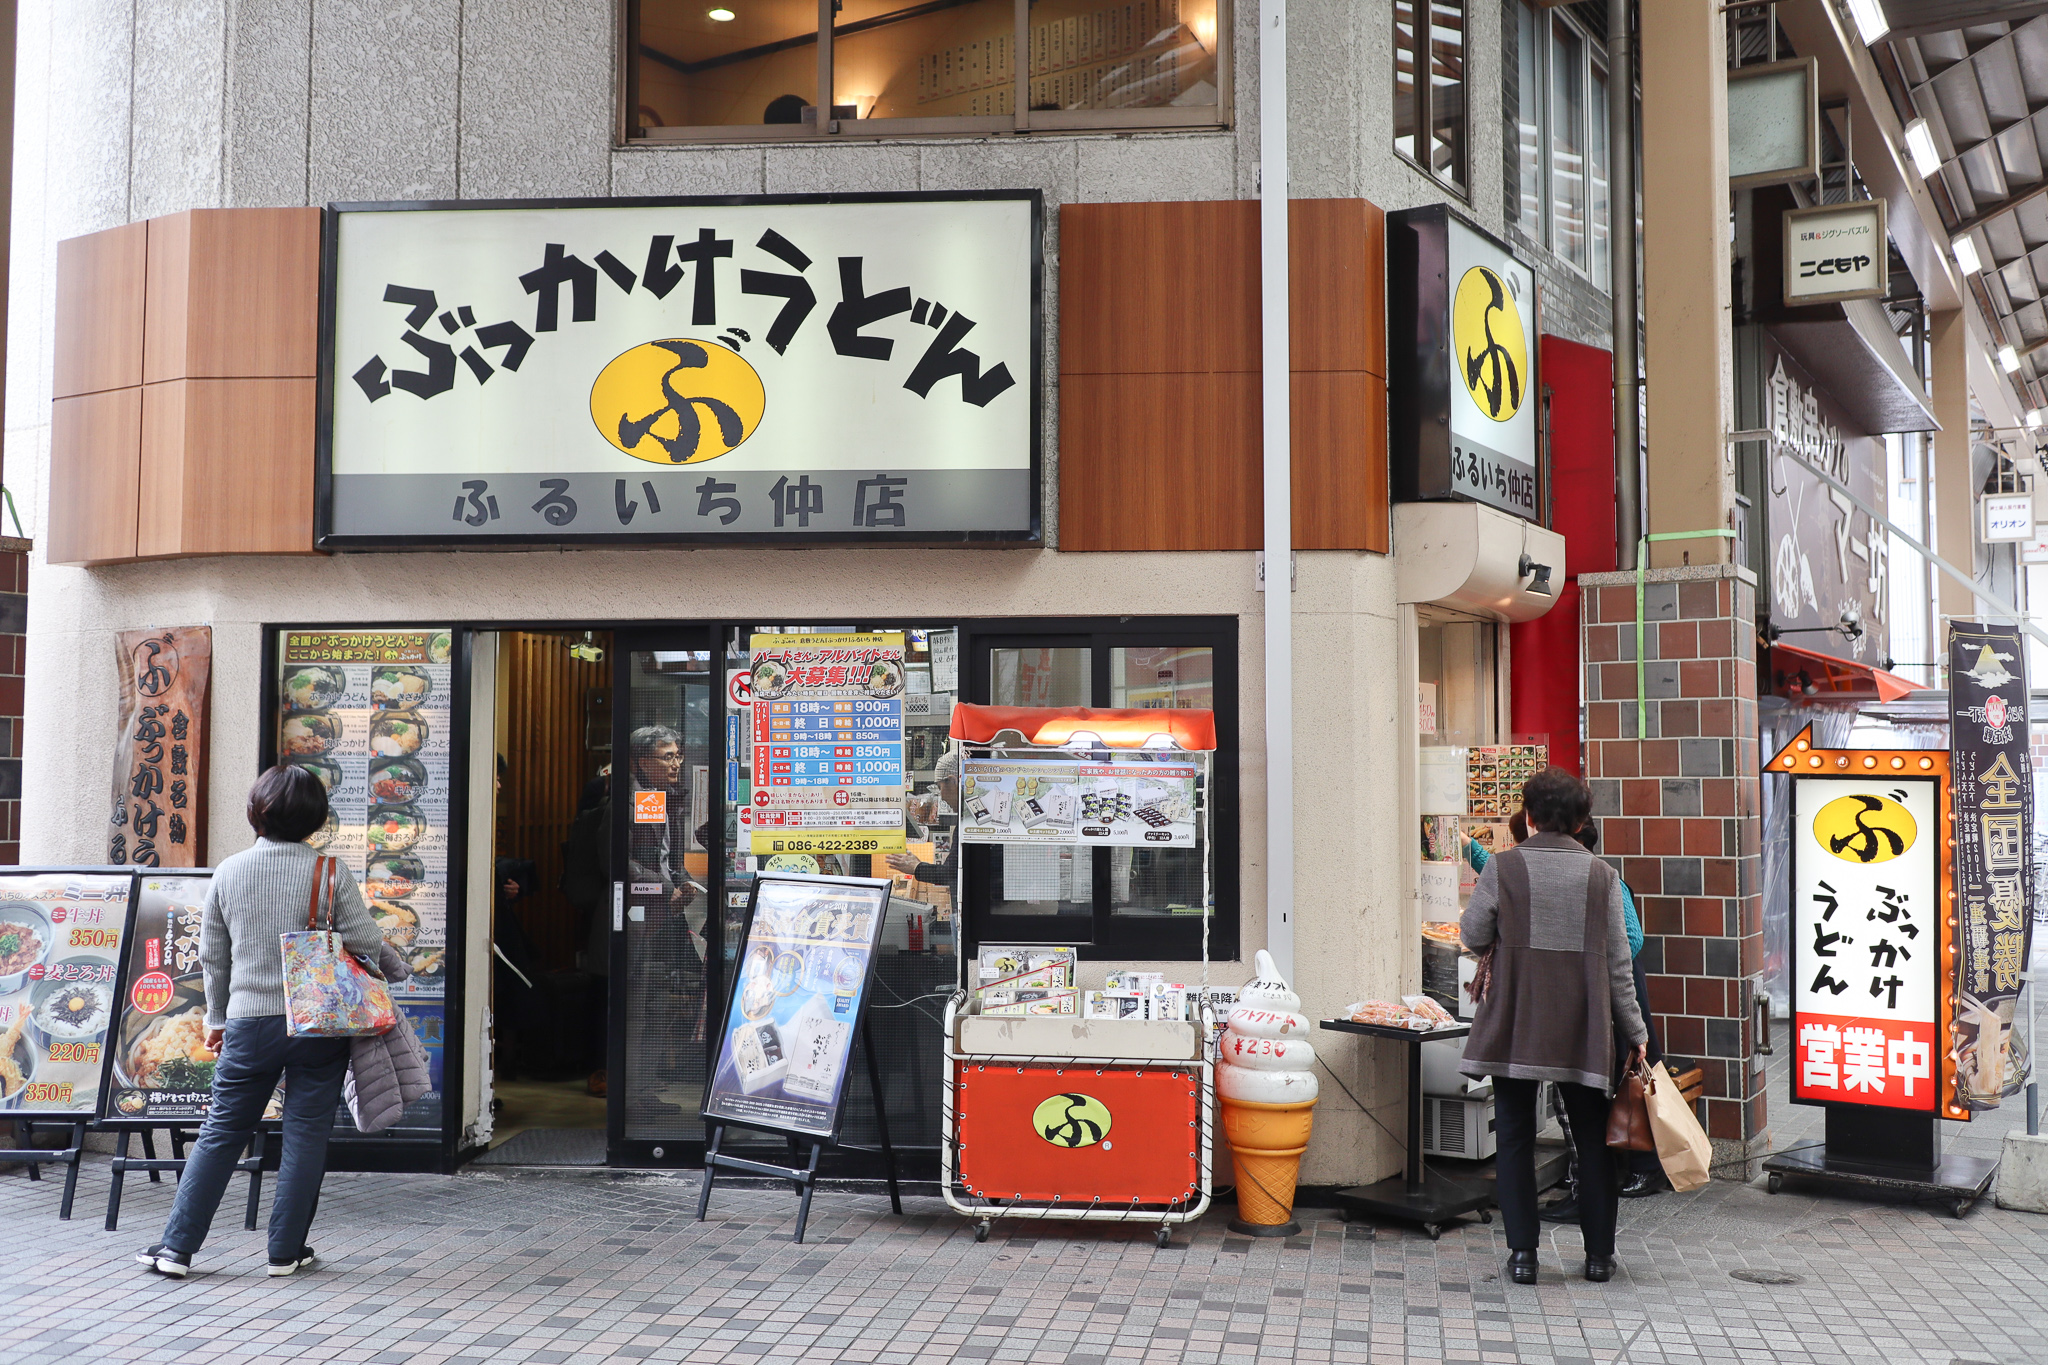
column 827, row 715
column 788, row 1036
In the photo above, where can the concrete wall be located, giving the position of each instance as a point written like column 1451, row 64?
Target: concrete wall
column 128, row 110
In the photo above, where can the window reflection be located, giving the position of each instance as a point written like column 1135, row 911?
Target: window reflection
column 760, row 65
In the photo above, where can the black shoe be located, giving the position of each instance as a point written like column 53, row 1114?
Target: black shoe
column 1522, row 1267
column 1639, row 1186
column 165, row 1261
column 1563, row 1211
column 293, row 1265
column 1599, row 1269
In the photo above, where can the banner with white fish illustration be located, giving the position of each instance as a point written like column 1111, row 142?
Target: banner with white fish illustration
column 60, row 953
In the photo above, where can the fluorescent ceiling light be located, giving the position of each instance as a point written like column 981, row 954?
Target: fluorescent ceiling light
column 1966, row 255
column 2008, row 360
column 1920, row 142
column 726, row 16
column 2034, row 418
column 1871, row 24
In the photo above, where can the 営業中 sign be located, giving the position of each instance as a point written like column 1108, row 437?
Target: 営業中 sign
column 1836, row 251
column 827, row 713
column 1871, row 946
column 766, row 369
column 1461, row 324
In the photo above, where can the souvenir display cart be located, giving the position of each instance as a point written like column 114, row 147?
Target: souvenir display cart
column 1056, row 1105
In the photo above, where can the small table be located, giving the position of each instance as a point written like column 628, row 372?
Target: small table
column 1418, row 1196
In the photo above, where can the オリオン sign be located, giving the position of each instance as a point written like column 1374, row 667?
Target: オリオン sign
column 768, row 369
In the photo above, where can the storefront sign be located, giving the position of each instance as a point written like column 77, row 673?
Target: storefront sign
column 1836, row 251
column 1828, row 561
column 764, row 369
column 2034, row 549
column 827, row 713
column 1461, row 314
column 2008, row 516
column 158, row 1069
column 60, row 954
column 159, row 808
column 1130, row 801
column 1994, row 819
column 371, row 714
column 804, row 959
column 1871, row 939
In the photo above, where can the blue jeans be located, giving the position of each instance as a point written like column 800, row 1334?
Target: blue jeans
column 256, row 1053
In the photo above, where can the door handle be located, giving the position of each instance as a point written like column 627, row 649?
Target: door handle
column 618, row 907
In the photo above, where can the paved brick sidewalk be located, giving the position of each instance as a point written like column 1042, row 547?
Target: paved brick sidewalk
column 559, row 1268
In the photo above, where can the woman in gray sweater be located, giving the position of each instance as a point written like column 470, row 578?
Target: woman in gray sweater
column 256, row 897
column 1563, row 994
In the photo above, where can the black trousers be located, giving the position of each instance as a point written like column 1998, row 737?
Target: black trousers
column 1515, row 1162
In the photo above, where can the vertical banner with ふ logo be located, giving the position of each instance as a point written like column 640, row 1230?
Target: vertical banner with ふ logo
column 158, row 815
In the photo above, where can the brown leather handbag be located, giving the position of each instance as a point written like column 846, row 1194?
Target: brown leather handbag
column 1628, row 1118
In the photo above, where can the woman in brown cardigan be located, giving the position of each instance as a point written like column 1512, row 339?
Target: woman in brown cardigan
column 1563, row 992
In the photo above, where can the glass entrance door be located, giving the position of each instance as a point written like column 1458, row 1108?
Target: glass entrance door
column 664, row 945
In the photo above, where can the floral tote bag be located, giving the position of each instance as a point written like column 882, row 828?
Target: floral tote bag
column 328, row 993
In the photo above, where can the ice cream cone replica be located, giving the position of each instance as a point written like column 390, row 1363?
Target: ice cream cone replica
column 1268, row 1088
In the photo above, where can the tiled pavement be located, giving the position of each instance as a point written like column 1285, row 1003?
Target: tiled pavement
column 509, row 1267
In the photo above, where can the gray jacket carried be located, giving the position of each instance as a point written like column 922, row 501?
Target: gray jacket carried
column 386, row 1071
column 1563, row 978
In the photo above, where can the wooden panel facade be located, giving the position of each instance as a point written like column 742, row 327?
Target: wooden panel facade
column 205, row 325
column 1160, row 407
column 95, row 461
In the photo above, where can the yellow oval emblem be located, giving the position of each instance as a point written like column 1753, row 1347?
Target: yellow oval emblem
column 1864, row 828
column 1071, row 1120
column 677, row 401
column 1493, row 351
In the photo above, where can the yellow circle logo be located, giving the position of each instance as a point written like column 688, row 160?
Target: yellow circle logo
column 1865, row 829
column 1071, row 1120
column 1493, row 352
column 678, row 401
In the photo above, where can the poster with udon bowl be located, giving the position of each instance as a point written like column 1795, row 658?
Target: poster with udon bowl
column 60, row 958
column 371, row 714
column 158, row 1067
column 787, row 1041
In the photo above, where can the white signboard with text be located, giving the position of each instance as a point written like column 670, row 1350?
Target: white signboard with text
column 1836, row 251
column 858, row 368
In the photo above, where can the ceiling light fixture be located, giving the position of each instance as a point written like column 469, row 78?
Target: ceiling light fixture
column 723, row 16
column 1871, row 23
column 1920, row 142
column 1966, row 255
column 2034, row 419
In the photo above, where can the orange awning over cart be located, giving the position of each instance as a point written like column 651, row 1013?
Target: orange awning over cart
column 1832, row 678
column 1054, row 726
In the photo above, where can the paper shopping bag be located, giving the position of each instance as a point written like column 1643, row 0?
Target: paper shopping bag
column 327, row 993
column 1682, row 1145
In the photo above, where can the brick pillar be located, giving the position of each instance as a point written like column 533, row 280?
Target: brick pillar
column 13, row 655
column 1679, row 816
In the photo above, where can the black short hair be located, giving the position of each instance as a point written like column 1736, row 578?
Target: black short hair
column 1557, row 802
column 1589, row 835
column 287, row 803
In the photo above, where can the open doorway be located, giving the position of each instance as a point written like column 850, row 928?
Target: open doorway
column 551, row 965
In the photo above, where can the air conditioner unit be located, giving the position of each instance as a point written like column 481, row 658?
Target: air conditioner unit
column 1457, row 1127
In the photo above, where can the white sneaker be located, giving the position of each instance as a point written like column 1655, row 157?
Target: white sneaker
column 302, row 1261
column 164, row 1261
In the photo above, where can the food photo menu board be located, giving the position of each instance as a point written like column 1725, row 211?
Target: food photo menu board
column 60, row 956
column 787, row 1043
column 158, row 1068
column 1132, row 801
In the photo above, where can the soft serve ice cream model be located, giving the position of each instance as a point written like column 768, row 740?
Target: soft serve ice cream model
column 1268, row 1087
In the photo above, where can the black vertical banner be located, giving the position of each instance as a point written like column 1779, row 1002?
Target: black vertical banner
column 1993, row 790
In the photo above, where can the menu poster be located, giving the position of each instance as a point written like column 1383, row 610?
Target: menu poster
column 827, row 715
column 60, row 957
column 371, row 714
column 787, row 1042
column 1130, row 801
column 158, row 1068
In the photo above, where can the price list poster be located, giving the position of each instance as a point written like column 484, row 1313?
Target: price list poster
column 827, row 713
column 60, row 952
column 370, row 713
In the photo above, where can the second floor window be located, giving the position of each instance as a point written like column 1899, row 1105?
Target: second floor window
column 712, row 70
column 1561, row 141
column 1430, row 124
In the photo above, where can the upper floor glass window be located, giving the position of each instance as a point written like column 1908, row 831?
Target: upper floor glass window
column 703, row 70
column 1430, row 126
column 1560, row 146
